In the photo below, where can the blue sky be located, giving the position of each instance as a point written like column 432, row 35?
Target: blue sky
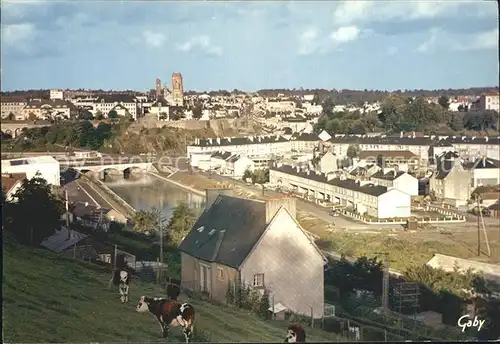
column 249, row 45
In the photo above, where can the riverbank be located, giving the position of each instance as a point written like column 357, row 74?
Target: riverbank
column 115, row 201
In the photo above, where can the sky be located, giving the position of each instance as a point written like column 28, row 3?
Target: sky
column 249, row 45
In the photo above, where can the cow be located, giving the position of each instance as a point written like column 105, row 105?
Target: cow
column 121, row 279
column 169, row 313
column 295, row 334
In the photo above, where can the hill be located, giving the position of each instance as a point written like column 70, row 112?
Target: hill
column 49, row 298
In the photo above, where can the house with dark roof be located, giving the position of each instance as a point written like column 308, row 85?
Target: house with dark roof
column 450, row 182
column 359, row 196
column 484, row 171
column 404, row 160
column 256, row 243
column 11, row 182
column 397, row 179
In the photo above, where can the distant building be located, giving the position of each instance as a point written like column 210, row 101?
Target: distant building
column 11, row 183
column 56, row 94
column 177, row 89
column 489, row 102
column 451, row 182
column 158, row 88
column 13, row 107
column 46, row 165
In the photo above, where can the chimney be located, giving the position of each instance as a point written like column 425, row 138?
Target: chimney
column 275, row 204
column 298, row 168
column 212, row 194
column 210, row 140
column 86, row 204
column 484, row 161
column 218, row 140
column 228, row 139
column 401, row 134
column 486, row 139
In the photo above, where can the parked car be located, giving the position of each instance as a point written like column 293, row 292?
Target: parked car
column 334, row 213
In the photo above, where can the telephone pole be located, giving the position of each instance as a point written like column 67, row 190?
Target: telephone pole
column 478, row 230
column 385, row 284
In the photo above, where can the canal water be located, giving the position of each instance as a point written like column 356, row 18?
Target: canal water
column 145, row 192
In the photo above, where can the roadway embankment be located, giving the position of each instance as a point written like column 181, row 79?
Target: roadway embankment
column 115, row 201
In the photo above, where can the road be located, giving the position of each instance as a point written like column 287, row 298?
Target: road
column 80, row 191
column 340, row 222
column 343, row 222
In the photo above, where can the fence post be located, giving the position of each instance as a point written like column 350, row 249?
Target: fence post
column 116, row 253
column 312, row 318
column 272, row 301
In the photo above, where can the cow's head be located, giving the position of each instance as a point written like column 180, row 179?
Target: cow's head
column 144, row 304
column 291, row 337
column 295, row 334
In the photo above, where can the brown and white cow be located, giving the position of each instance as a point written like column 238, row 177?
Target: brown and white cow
column 295, row 334
column 169, row 313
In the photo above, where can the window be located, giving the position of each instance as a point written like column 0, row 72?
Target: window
column 220, row 273
column 258, row 280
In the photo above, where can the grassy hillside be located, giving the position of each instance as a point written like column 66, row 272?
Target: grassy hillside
column 48, row 298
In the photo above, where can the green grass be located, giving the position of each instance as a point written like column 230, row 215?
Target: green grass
column 49, row 298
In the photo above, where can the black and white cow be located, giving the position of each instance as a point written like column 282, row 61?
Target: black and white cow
column 121, row 279
column 295, row 334
column 169, row 314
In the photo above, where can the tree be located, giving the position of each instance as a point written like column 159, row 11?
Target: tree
column 444, row 101
column 197, row 110
column 263, row 308
column 36, row 213
column 352, row 151
column 316, row 100
column 247, row 174
column 98, row 115
column 112, row 114
column 32, row 116
column 180, row 223
column 260, row 176
column 148, row 221
column 85, row 115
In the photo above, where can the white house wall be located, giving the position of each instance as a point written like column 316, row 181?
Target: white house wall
column 394, row 203
column 49, row 171
column 407, row 183
column 292, row 267
column 485, row 176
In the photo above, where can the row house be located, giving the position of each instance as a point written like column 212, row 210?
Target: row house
column 105, row 103
column 49, row 109
column 365, row 198
column 248, row 146
column 396, row 179
column 484, row 171
column 12, row 108
column 475, row 146
column 280, row 106
column 403, row 160
column 229, row 164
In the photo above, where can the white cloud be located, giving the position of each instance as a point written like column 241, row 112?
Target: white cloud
column 18, row 34
column 355, row 12
column 441, row 40
column 308, row 41
column 392, row 50
column 153, row 39
column 202, row 43
column 345, row 34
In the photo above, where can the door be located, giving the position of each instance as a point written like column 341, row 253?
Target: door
column 204, row 278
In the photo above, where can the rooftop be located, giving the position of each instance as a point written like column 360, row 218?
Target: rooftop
column 350, row 184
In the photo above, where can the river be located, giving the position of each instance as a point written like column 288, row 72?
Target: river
column 146, row 191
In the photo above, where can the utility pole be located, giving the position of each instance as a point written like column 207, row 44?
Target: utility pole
column 161, row 247
column 478, row 231
column 385, row 284
column 67, row 212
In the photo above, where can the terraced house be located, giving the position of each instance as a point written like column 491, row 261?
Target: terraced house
column 360, row 196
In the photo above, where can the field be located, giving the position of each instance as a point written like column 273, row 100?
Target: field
column 404, row 248
column 48, row 298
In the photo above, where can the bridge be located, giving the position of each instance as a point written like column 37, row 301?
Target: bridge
column 14, row 128
column 100, row 168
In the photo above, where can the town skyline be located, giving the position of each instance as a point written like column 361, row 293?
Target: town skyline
column 343, row 45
